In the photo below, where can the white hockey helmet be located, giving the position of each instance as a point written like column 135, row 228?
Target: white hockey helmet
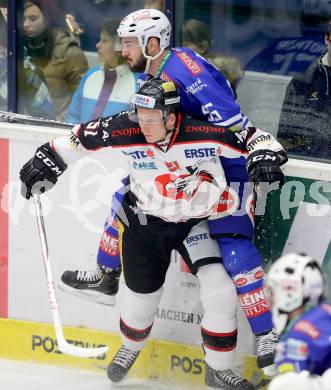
column 144, row 24
column 296, row 380
column 294, row 280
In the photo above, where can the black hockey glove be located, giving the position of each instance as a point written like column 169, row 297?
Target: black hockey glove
column 41, row 172
column 264, row 166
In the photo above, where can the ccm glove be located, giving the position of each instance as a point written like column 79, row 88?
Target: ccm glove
column 264, row 166
column 41, row 172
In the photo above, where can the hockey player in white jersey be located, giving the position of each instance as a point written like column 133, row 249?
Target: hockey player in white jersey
column 161, row 209
column 144, row 38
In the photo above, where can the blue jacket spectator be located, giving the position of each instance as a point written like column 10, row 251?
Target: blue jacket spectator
column 85, row 99
column 105, row 89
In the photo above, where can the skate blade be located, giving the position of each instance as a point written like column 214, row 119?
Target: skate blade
column 93, row 296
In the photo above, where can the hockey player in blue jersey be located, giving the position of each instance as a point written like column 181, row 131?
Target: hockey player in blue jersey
column 302, row 318
column 144, row 38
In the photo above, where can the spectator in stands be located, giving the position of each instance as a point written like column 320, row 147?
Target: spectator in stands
column 155, row 4
column 106, row 89
column 35, row 98
column 290, row 56
column 56, row 56
column 305, row 119
column 196, row 35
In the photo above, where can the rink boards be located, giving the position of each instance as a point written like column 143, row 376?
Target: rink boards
column 164, row 361
column 75, row 213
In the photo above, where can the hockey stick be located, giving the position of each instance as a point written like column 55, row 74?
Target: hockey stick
column 12, row 117
column 63, row 345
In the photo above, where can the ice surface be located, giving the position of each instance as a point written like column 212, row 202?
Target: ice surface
column 29, row 376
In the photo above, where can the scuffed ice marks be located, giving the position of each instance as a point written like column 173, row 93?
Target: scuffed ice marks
column 28, row 376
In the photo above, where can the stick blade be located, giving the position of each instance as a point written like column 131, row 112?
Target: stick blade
column 73, row 350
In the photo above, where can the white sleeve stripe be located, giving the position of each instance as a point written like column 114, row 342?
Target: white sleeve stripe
column 231, row 121
column 234, row 120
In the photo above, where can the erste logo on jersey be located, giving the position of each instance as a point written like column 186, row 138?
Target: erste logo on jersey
column 144, row 165
column 189, row 63
column 202, row 152
column 139, row 154
column 197, row 237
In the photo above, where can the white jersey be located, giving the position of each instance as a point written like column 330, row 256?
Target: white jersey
column 187, row 178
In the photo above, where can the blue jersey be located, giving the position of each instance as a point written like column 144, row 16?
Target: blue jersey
column 86, row 97
column 204, row 91
column 307, row 344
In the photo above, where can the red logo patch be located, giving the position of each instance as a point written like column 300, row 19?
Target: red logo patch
column 256, row 302
column 252, row 207
column 259, row 274
column 142, row 15
column 109, row 244
column 241, row 282
column 308, row 328
column 165, row 77
column 181, row 186
column 172, row 165
column 184, row 267
column 226, row 202
column 190, row 64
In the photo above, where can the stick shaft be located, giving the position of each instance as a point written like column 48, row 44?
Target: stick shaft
column 63, row 345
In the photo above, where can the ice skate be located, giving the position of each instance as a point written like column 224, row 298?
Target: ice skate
column 99, row 285
column 265, row 345
column 121, row 364
column 226, row 380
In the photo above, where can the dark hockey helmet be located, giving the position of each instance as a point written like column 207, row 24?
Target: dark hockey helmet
column 158, row 94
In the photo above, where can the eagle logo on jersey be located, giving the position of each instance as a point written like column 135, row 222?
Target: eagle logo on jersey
column 181, row 186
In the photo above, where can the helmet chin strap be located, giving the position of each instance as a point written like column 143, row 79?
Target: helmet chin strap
column 150, row 58
column 167, row 132
column 165, row 136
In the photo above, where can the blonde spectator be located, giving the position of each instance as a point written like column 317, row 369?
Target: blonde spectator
column 105, row 89
column 53, row 52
